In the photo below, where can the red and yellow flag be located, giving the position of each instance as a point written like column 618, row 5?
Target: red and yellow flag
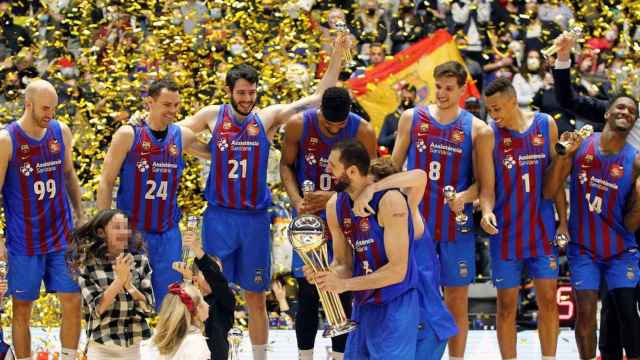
column 376, row 90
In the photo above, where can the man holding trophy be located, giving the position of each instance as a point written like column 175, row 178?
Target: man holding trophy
column 308, row 138
column 373, row 258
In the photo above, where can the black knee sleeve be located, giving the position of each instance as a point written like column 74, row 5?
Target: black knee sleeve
column 610, row 343
column 307, row 315
column 626, row 308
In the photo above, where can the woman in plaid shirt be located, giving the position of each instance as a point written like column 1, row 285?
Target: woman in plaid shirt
column 115, row 279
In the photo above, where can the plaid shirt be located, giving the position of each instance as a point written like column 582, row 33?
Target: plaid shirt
column 124, row 321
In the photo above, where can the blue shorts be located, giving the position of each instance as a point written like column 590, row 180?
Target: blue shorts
column 26, row 274
column 508, row 273
column 457, row 262
column 620, row 271
column 385, row 331
column 242, row 241
column 163, row 250
column 429, row 346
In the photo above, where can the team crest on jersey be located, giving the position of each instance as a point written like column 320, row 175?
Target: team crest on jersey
column 582, row 177
column 223, row 144
column 26, row 169
column 420, row 145
column 25, row 151
column 364, row 225
column 258, row 278
column 424, row 128
column 508, row 161
column 310, row 159
column 54, row 146
column 173, row 150
column 553, row 263
column 142, row 165
column 226, row 125
column 538, row 140
column 347, row 222
column 507, row 142
column 463, row 269
column 630, row 273
column 253, row 129
column 457, row 136
column 313, row 141
column 616, row 171
column 146, row 146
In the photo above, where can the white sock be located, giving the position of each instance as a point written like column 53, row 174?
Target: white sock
column 548, row 358
column 305, row 354
column 68, row 354
column 337, row 355
column 260, row 352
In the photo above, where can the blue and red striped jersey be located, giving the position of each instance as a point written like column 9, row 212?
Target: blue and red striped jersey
column 445, row 152
column 36, row 205
column 366, row 237
column 600, row 187
column 526, row 221
column 149, row 180
column 239, row 158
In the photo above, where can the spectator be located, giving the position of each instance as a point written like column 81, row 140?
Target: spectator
column 528, row 80
column 115, row 280
column 369, row 26
column 12, row 36
column 545, row 101
column 406, row 27
column 389, row 129
column 178, row 335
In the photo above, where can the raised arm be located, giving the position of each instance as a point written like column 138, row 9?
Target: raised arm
column 193, row 146
column 486, row 178
column 413, row 182
column 632, row 217
column 556, row 174
column 202, row 120
column 72, row 183
column 367, row 136
column 113, row 160
column 292, row 134
column 404, row 138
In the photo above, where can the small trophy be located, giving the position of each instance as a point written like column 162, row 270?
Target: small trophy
column 308, row 186
column 584, row 132
column 561, row 241
column 235, row 339
column 344, row 31
column 461, row 218
column 192, row 225
column 306, row 233
column 575, row 31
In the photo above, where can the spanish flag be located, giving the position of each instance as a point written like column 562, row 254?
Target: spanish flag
column 376, row 90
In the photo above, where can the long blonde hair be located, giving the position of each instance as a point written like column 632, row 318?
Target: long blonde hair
column 175, row 320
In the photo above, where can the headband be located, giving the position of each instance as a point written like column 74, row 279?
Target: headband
column 177, row 289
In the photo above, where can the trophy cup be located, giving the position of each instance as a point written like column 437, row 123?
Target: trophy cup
column 308, row 186
column 561, row 241
column 187, row 256
column 235, row 339
column 584, row 132
column 461, row 218
column 306, row 233
column 342, row 29
column 575, row 31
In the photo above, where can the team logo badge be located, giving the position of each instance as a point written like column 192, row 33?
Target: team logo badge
column 142, row 165
column 258, row 278
column 630, row 273
column 324, row 163
column 582, row 177
column 463, row 269
column 420, row 145
column 173, row 150
column 508, row 162
column 538, row 140
column 223, row 144
column 587, row 161
column 26, row 169
column 54, row 146
column 310, row 159
column 253, row 129
column 146, row 146
column 347, row 222
column 25, row 151
column 553, row 263
column 457, row 136
column 364, row 225
column 507, row 142
column 226, row 125
column 424, row 128
column 616, row 171
column 313, row 141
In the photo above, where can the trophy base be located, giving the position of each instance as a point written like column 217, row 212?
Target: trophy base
column 336, row 330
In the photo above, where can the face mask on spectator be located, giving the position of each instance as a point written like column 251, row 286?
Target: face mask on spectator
column 236, row 49
column 533, row 64
column 611, row 35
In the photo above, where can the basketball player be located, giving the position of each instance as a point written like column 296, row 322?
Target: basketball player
column 603, row 168
column 440, row 139
column 523, row 226
column 148, row 159
column 373, row 258
column 39, row 187
column 236, row 222
column 309, row 137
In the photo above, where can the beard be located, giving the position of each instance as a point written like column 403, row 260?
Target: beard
column 342, row 184
column 234, row 105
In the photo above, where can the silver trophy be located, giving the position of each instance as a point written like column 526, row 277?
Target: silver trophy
column 308, row 186
column 575, row 31
column 235, row 339
column 306, row 234
column 584, row 132
column 343, row 30
column 561, row 241
column 462, row 220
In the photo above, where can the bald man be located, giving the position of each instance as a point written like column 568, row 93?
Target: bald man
column 39, row 187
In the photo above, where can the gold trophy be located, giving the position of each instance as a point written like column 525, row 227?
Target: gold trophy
column 306, row 233
column 235, row 339
column 584, row 132
column 574, row 30
column 461, row 218
column 342, row 29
